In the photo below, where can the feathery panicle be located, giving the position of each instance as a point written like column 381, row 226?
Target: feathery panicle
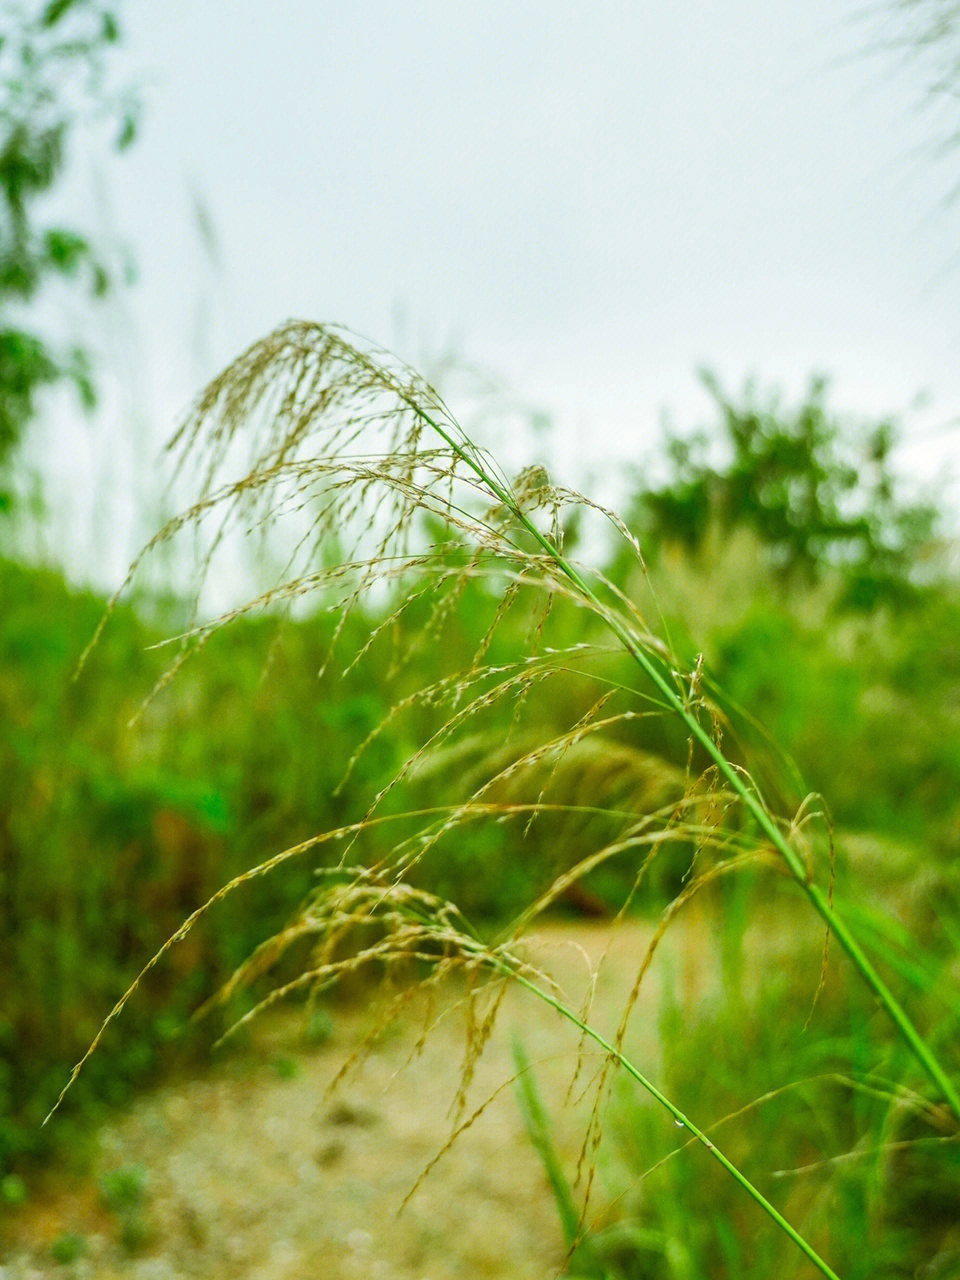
column 380, row 494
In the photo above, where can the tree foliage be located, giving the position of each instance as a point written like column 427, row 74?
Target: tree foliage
column 53, row 60
column 819, row 495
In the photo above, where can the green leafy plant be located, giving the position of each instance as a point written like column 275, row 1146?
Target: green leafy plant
column 53, row 61
column 819, row 496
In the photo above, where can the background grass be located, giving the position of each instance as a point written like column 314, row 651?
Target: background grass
column 110, row 837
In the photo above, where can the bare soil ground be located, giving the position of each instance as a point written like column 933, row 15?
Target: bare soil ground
column 256, row 1171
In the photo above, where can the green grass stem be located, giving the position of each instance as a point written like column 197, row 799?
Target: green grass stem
column 680, row 1118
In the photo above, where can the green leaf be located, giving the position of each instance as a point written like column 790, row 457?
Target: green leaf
column 128, row 131
column 55, row 11
column 65, row 249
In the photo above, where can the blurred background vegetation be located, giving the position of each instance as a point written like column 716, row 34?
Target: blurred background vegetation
column 111, row 835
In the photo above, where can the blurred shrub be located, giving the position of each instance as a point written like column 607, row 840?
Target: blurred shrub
column 818, row 495
column 54, row 59
column 863, row 706
column 109, row 836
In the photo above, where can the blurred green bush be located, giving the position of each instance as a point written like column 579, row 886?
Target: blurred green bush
column 110, row 835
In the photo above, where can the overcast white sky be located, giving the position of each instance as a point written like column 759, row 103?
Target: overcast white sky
column 592, row 199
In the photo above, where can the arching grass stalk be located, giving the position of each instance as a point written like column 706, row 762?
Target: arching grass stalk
column 682, row 1120
column 502, row 964
column 287, row 389
column 743, row 789
column 419, row 925
column 306, row 374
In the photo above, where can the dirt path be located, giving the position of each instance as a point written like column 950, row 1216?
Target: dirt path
column 254, row 1171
